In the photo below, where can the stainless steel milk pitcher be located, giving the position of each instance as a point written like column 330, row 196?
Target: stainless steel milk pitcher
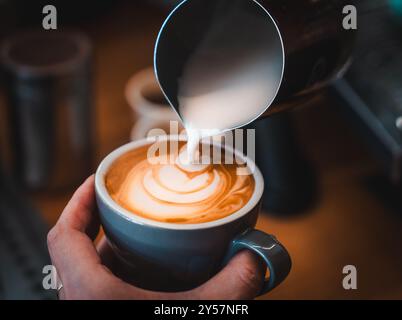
column 304, row 41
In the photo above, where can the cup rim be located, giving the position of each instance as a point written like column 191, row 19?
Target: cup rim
column 104, row 195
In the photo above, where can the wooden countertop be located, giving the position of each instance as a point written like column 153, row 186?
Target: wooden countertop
column 350, row 223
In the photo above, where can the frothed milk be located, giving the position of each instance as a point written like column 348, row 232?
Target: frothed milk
column 230, row 79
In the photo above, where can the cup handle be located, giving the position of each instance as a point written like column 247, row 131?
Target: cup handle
column 269, row 249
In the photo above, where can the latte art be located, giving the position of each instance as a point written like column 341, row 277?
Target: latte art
column 176, row 192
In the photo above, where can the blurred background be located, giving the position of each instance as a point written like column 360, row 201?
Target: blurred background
column 333, row 167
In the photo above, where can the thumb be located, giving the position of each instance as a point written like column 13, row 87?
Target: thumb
column 241, row 279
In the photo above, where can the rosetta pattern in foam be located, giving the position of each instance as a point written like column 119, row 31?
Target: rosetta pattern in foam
column 167, row 193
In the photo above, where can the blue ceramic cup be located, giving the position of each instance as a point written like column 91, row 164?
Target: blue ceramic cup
column 176, row 257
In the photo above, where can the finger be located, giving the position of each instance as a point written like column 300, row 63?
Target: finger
column 80, row 211
column 71, row 249
column 76, row 259
column 242, row 278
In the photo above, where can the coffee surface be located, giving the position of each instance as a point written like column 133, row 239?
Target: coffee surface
column 164, row 188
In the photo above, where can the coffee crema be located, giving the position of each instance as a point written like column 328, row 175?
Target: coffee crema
column 172, row 192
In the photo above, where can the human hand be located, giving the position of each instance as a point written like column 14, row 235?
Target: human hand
column 89, row 272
